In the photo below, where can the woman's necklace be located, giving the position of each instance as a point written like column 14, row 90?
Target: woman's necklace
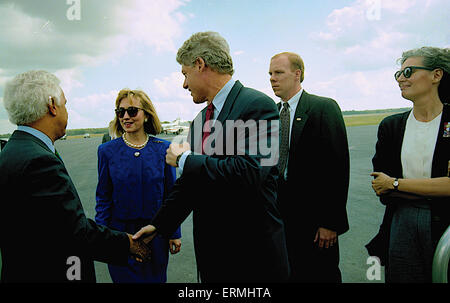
column 135, row 145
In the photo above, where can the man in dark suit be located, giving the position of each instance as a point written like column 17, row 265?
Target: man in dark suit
column 238, row 232
column 44, row 233
column 314, row 173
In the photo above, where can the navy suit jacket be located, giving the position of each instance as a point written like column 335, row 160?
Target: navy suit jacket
column 42, row 223
column 238, row 231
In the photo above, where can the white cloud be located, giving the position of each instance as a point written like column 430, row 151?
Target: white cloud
column 376, row 89
column 171, row 86
column 171, row 100
column 70, row 79
column 95, row 110
column 39, row 35
column 362, row 43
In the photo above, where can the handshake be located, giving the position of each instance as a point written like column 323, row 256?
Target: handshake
column 139, row 243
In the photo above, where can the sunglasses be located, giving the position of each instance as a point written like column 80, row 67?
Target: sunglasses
column 408, row 71
column 132, row 111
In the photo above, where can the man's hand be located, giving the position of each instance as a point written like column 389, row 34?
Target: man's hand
column 139, row 250
column 145, row 234
column 326, row 237
column 174, row 246
column 174, row 150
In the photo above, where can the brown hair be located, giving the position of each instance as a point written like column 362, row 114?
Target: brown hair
column 153, row 125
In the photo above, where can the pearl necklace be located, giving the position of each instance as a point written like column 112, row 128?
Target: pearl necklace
column 135, row 145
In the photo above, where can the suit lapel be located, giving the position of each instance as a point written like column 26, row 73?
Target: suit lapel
column 228, row 105
column 300, row 119
column 442, row 149
column 196, row 131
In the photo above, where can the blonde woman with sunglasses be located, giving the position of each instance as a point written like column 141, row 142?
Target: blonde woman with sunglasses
column 133, row 179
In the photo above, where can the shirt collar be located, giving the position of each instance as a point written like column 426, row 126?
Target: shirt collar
column 38, row 134
column 294, row 100
column 221, row 96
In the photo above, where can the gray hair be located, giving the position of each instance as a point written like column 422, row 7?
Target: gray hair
column 434, row 57
column 209, row 46
column 27, row 95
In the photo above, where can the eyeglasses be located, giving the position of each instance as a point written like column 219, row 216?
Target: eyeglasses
column 132, row 111
column 407, row 71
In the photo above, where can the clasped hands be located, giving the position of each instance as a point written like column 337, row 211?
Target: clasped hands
column 139, row 248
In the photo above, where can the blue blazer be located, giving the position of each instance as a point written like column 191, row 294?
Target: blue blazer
column 130, row 187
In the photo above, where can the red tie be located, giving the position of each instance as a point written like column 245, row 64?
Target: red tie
column 207, row 128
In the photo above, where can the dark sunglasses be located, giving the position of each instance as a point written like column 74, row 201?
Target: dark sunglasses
column 407, row 71
column 132, row 111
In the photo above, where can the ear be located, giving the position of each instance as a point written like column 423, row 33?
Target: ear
column 298, row 74
column 200, row 64
column 51, row 106
column 437, row 75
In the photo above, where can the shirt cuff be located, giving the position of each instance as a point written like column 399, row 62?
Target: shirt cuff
column 182, row 160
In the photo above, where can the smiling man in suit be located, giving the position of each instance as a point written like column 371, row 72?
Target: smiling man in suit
column 238, row 231
column 314, row 173
column 44, row 233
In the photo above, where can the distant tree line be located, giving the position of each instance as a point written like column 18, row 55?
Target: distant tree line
column 93, row 131
column 375, row 111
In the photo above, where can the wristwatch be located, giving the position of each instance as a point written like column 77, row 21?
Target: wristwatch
column 395, row 184
column 178, row 159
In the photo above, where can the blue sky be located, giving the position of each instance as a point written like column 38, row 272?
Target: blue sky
column 349, row 47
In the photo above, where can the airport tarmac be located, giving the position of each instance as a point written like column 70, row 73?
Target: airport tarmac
column 363, row 208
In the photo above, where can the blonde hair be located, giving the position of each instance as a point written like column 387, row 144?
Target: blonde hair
column 296, row 62
column 152, row 126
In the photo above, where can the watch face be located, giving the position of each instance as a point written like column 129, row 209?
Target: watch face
column 396, row 183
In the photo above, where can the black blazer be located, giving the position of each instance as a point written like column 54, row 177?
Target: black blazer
column 238, row 232
column 387, row 159
column 318, row 166
column 42, row 222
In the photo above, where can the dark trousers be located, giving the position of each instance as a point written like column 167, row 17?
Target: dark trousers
column 410, row 246
column 309, row 263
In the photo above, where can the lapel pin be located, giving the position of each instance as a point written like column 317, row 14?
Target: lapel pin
column 299, row 119
column 446, row 130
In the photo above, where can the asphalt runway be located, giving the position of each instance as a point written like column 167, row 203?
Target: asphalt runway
column 364, row 210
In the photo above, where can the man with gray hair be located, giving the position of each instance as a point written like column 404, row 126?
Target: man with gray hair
column 63, row 242
column 238, row 233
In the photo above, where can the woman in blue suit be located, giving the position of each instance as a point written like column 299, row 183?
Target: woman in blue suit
column 133, row 179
